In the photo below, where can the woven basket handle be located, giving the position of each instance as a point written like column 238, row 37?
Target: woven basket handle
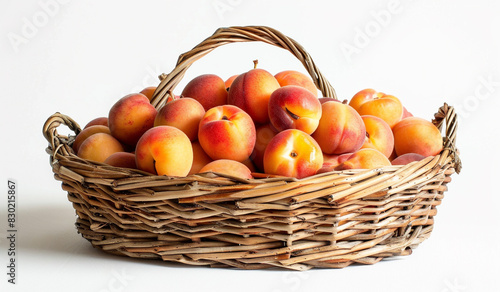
column 447, row 116
column 50, row 130
column 236, row 34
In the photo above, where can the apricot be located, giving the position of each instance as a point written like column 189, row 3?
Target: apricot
column 229, row 167
column 378, row 135
column 97, row 121
column 340, row 130
column 416, row 135
column 172, row 97
column 148, row 92
column 393, row 154
column 98, row 147
column 331, row 161
column 87, row 132
column 293, row 153
column 263, row 135
column 294, row 107
column 406, row 113
column 121, row 159
column 227, row 132
column 322, row 100
column 249, row 163
column 292, row 77
column 200, row 158
column 184, row 113
column 164, row 150
column 367, row 158
column 371, row 102
column 363, row 96
column 251, row 92
column 130, row 117
column 208, row 89
column 407, row 158
column 229, row 81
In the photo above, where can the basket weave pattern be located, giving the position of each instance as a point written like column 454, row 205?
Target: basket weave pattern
column 328, row 220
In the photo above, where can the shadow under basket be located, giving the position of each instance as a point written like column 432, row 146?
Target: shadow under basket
column 329, row 220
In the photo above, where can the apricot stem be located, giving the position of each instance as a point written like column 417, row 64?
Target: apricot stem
column 225, row 118
column 293, row 154
column 294, row 116
column 255, row 62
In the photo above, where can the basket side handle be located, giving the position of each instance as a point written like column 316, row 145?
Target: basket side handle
column 226, row 35
column 447, row 117
column 50, row 131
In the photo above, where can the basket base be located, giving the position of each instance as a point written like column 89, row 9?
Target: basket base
column 215, row 254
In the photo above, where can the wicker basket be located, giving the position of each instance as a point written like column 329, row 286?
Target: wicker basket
column 329, row 220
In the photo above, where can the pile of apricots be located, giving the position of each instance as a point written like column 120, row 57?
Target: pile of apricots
column 256, row 123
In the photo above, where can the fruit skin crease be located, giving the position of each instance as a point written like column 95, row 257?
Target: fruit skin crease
column 294, row 107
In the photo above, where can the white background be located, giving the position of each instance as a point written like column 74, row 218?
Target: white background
column 79, row 57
